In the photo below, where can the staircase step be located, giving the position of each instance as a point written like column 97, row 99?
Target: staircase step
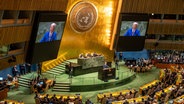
column 58, row 69
column 24, row 78
column 53, row 73
column 59, row 87
column 68, row 83
column 23, row 85
column 61, row 90
column 61, row 67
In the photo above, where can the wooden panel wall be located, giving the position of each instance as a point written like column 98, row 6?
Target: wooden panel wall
column 51, row 5
column 4, row 62
column 153, row 6
column 16, row 34
column 164, row 45
column 166, row 28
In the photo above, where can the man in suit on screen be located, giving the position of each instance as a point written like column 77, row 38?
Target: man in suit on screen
column 133, row 31
column 49, row 35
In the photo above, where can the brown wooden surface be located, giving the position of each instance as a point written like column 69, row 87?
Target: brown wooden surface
column 4, row 62
column 164, row 45
column 167, row 27
column 51, row 5
column 17, row 34
column 3, row 94
column 153, row 6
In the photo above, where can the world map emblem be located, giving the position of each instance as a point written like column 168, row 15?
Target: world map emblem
column 83, row 16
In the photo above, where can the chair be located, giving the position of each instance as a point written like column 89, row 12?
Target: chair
column 37, row 100
column 167, row 97
column 138, row 69
column 143, row 69
column 46, row 88
column 32, row 89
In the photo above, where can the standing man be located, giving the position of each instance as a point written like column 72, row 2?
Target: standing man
column 22, row 69
column 116, row 63
column 133, row 31
column 121, row 56
column 28, row 67
column 15, row 71
column 39, row 68
column 70, row 70
column 49, row 35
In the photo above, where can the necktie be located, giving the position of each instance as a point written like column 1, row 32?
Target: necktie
column 50, row 35
column 133, row 31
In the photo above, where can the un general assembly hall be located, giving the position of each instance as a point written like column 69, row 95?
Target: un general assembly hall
column 91, row 51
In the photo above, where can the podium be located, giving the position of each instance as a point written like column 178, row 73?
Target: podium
column 106, row 74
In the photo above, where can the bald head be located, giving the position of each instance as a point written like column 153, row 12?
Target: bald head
column 134, row 25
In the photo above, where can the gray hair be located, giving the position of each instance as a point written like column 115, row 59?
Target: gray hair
column 53, row 24
column 135, row 23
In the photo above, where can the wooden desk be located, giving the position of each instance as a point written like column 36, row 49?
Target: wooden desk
column 138, row 99
column 179, row 79
column 162, row 74
column 166, row 90
column 106, row 74
column 3, row 93
column 146, row 85
column 73, row 97
column 12, row 101
column 114, row 94
column 179, row 100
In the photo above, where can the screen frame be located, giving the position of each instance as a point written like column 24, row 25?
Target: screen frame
column 43, row 16
column 130, row 17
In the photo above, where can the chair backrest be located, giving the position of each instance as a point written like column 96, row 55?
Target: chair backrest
column 37, row 100
column 47, row 87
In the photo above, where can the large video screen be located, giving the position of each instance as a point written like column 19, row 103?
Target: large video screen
column 46, row 36
column 131, row 32
column 133, row 28
column 49, row 31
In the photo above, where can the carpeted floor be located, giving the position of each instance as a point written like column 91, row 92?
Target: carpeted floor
column 22, row 94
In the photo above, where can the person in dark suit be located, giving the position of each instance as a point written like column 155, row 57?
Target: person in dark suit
column 28, row 67
column 105, row 66
column 116, row 63
column 133, row 31
column 22, row 69
column 49, row 35
column 70, row 70
column 14, row 71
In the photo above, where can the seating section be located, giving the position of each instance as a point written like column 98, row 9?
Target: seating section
column 116, row 96
column 179, row 100
column 3, row 93
column 58, row 99
column 169, row 86
column 11, row 102
column 140, row 65
column 133, row 100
